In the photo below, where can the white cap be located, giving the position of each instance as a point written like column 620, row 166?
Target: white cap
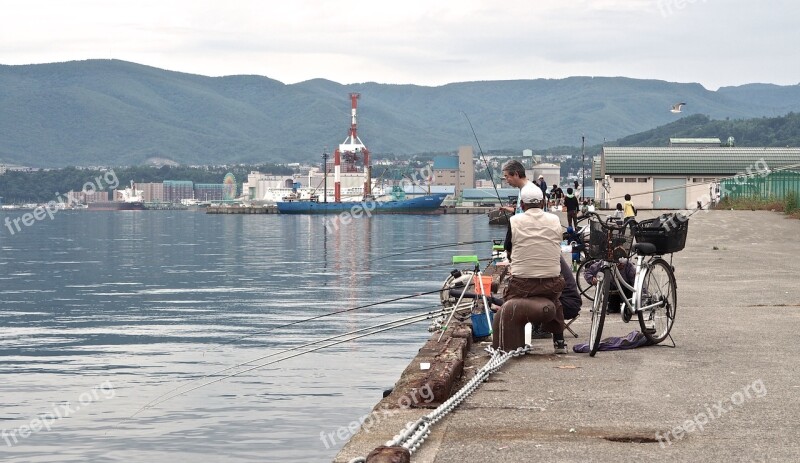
column 530, row 193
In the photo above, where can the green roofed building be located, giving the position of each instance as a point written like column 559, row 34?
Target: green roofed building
column 680, row 177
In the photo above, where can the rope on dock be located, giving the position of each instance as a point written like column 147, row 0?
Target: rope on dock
column 415, row 433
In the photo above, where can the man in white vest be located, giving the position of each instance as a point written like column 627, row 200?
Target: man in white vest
column 536, row 258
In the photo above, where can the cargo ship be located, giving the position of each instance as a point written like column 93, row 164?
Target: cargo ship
column 428, row 204
column 351, row 151
column 130, row 200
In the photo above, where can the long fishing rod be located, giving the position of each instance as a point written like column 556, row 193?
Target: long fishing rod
column 311, row 343
column 448, row 264
column 429, row 248
column 317, row 317
column 362, row 306
column 398, row 323
column 491, row 175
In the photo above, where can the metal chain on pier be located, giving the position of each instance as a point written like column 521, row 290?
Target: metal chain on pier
column 415, row 433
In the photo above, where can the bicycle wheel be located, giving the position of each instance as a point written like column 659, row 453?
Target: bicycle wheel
column 599, row 311
column 657, row 301
column 583, row 286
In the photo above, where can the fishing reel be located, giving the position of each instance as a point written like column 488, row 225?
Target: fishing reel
column 456, row 280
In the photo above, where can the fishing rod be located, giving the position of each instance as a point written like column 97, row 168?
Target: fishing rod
column 491, row 175
column 171, row 391
column 361, row 306
column 429, row 248
column 448, row 264
column 374, row 329
column 317, row 317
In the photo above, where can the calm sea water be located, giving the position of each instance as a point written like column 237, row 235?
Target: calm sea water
column 103, row 312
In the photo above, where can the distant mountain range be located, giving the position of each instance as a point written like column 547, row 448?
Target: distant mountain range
column 110, row 112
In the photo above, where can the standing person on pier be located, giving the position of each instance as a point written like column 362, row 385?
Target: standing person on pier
column 630, row 210
column 572, row 205
column 543, row 186
column 514, row 175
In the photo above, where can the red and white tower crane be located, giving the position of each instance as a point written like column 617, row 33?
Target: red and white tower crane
column 352, row 148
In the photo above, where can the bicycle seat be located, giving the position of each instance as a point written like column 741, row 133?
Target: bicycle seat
column 645, row 249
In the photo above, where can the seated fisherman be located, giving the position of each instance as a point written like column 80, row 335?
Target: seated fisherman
column 535, row 245
column 571, row 300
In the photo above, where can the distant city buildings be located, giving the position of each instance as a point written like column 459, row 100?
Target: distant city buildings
column 86, row 197
column 550, row 172
column 177, row 190
column 458, row 171
column 482, row 183
column 258, row 186
column 151, row 192
column 209, row 191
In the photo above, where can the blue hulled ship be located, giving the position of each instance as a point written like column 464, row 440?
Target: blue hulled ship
column 346, row 159
column 428, row 204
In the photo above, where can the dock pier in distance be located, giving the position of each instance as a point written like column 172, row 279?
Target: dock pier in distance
column 230, row 209
column 271, row 209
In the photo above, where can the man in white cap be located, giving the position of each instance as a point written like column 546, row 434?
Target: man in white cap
column 535, row 251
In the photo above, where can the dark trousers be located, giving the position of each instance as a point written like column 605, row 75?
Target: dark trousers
column 615, row 304
column 572, row 219
column 528, row 300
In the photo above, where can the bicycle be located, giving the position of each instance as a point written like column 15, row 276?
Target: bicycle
column 584, row 288
column 653, row 294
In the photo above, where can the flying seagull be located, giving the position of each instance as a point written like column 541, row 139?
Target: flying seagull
column 676, row 108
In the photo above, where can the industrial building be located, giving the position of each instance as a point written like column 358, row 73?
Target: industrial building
column 458, row 171
column 679, row 177
column 209, row 191
column 177, row 190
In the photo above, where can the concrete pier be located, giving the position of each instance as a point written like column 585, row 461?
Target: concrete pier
column 225, row 209
column 728, row 391
column 230, row 209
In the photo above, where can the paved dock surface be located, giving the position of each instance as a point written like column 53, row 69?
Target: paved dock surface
column 729, row 391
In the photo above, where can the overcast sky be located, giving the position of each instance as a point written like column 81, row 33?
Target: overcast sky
column 423, row 42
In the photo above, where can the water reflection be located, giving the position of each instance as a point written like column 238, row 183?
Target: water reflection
column 152, row 300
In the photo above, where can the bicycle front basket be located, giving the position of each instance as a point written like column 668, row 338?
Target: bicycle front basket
column 667, row 233
column 598, row 240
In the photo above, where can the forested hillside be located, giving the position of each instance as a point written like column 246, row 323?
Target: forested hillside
column 109, row 112
column 775, row 131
